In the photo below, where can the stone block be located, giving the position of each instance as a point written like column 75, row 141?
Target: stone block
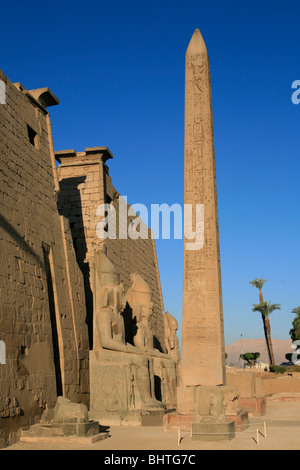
column 213, row 431
column 174, row 421
column 241, row 420
column 254, row 406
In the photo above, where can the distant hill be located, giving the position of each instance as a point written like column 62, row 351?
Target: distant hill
column 280, row 347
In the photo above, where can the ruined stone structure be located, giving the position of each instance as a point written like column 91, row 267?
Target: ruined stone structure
column 66, row 420
column 50, row 253
column 210, row 420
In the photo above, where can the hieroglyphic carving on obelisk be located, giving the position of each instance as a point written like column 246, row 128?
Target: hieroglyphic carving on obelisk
column 203, row 350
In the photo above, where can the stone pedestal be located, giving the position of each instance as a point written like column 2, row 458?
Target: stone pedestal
column 128, row 418
column 210, row 420
column 213, row 431
column 120, row 389
column 111, row 382
column 173, row 421
column 66, row 421
column 63, row 429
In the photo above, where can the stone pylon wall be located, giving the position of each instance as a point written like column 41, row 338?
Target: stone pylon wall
column 42, row 306
column 84, row 185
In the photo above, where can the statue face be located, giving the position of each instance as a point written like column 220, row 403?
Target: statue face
column 113, row 296
column 120, row 299
column 172, row 341
column 147, row 311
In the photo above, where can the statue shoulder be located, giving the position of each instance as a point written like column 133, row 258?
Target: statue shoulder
column 106, row 313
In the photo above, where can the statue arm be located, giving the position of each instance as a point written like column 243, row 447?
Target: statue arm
column 112, row 344
column 104, row 327
column 106, row 338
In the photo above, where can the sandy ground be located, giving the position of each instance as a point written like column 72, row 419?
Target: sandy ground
column 283, row 433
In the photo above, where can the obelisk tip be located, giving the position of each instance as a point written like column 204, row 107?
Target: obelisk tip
column 197, row 44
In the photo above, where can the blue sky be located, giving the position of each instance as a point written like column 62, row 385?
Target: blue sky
column 118, row 69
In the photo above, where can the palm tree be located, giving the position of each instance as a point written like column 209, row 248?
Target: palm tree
column 295, row 331
column 259, row 283
column 266, row 308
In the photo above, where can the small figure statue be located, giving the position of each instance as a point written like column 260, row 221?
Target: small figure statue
column 172, row 342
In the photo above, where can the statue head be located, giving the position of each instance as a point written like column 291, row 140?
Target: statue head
column 143, row 312
column 146, row 311
column 139, row 292
column 172, row 342
column 105, row 272
column 139, row 297
column 112, row 296
column 171, row 322
column 108, row 290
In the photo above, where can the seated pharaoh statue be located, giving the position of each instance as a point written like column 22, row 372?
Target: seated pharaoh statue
column 121, row 375
column 139, row 298
column 172, row 342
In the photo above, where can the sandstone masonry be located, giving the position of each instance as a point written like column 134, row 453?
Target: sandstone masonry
column 42, row 310
column 47, row 244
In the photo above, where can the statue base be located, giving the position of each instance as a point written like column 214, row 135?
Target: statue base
column 173, row 421
column 122, row 391
column 128, row 418
column 84, row 432
column 67, row 420
column 213, row 431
